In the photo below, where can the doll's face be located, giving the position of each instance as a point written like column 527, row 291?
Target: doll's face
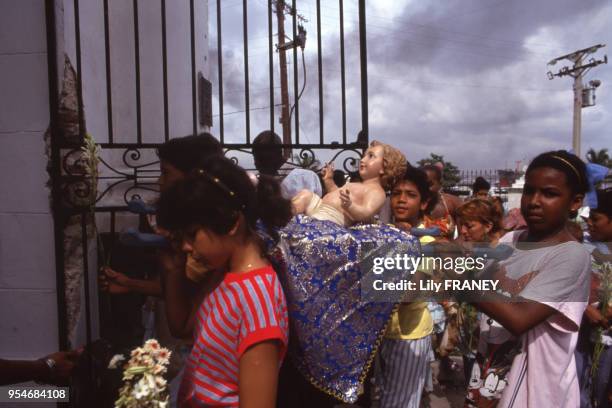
column 371, row 164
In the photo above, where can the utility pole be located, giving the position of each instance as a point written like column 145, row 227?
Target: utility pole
column 284, row 119
column 577, row 72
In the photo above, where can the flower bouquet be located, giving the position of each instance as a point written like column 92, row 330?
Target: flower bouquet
column 144, row 385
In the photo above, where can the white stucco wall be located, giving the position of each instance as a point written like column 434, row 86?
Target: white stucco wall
column 28, row 306
column 123, row 74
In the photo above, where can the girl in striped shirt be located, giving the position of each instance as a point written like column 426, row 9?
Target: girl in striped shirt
column 241, row 327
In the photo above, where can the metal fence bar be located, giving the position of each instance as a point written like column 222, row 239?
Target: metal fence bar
column 245, row 40
column 320, row 72
column 296, row 102
column 113, row 215
column 363, row 56
column 342, row 70
column 88, row 335
column 165, row 70
column 77, row 36
column 220, row 69
column 271, row 64
column 137, row 68
column 109, row 98
column 194, row 101
column 58, row 218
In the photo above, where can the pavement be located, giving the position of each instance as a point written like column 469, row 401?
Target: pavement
column 448, row 393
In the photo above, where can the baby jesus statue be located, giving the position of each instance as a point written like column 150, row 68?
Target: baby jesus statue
column 380, row 168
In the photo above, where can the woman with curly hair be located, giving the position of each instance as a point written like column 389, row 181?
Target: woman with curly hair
column 479, row 221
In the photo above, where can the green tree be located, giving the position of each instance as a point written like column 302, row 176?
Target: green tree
column 450, row 174
column 599, row 157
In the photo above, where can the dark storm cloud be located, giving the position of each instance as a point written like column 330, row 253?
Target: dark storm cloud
column 459, row 38
column 454, row 78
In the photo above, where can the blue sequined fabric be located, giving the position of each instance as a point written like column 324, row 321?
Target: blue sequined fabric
column 326, row 270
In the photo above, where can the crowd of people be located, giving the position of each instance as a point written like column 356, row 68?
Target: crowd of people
column 222, row 288
column 257, row 293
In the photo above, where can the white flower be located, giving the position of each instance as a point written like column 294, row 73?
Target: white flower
column 141, row 389
column 147, row 361
column 158, row 369
column 144, row 385
column 150, row 380
column 160, row 382
column 163, row 356
column 151, row 344
column 117, row 358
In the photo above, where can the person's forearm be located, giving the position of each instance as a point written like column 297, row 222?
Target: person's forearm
column 178, row 303
column 145, row 286
column 178, row 306
column 18, row 371
column 516, row 317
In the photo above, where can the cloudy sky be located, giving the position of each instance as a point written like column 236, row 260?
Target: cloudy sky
column 466, row 79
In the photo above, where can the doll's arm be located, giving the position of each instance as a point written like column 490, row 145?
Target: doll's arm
column 328, row 178
column 362, row 212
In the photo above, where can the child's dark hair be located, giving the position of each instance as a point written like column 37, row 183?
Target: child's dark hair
column 339, row 178
column 604, row 202
column 480, row 184
column 268, row 152
column 433, row 168
column 419, row 178
column 567, row 163
column 214, row 195
column 185, row 153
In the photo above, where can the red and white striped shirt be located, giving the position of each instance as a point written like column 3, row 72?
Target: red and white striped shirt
column 245, row 309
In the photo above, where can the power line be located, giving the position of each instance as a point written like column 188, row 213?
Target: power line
column 303, row 86
column 461, row 85
column 409, row 36
column 250, row 90
column 245, row 110
column 438, row 29
column 406, row 36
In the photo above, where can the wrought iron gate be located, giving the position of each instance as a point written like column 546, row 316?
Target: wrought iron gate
column 91, row 201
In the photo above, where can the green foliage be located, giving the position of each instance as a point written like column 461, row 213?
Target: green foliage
column 450, row 175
